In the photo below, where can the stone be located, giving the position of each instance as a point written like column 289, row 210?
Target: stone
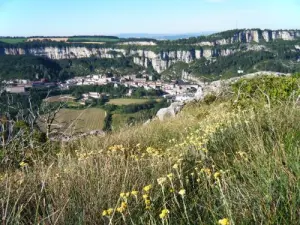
column 171, row 111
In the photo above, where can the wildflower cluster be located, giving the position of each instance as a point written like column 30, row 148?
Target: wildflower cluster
column 82, row 156
column 174, row 185
column 122, row 208
column 198, row 139
column 164, row 213
column 23, row 164
column 224, row 221
column 153, row 151
column 108, row 212
column 146, row 196
column 116, row 149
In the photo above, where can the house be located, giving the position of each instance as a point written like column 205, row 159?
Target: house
column 95, row 95
column 129, row 92
column 16, row 89
column 140, row 80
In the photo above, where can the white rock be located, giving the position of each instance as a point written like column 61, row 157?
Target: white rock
column 171, row 111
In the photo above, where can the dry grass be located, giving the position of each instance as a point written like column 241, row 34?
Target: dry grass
column 209, row 163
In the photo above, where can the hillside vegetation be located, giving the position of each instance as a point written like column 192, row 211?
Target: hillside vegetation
column 34, row 68
column 281, row 60
column 230, row 160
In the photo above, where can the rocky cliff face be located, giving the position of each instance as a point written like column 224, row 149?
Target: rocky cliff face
column 164, row 59
column 248, row 36
column 160, row 61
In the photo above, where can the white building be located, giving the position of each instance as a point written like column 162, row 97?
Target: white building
column 16, row 89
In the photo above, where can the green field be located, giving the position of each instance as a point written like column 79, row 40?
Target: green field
column 72, row 121
column 92, row 39
column 13, row 40
column 121, row 120
column 127, row 101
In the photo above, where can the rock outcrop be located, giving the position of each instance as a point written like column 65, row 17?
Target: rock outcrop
column 215, row 87
column 171, row 111
column 255, row 35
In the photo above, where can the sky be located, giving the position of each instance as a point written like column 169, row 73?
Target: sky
column 112, row 17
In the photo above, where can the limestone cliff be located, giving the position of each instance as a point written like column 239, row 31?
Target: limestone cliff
column 256, row 35
column 165, row 58
column 160, row 61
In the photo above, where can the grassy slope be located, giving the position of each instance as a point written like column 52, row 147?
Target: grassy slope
column 237, row 164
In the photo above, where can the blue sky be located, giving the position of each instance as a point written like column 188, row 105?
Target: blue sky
column 76, row 17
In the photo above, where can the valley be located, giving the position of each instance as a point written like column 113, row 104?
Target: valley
column 111, row 130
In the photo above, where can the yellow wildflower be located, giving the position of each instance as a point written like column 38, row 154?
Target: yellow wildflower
column 161, row 180
column 23, row 164
column 110, row 211
column 145, row 196
column 164, row 213
column 182, row 192
column 122, row 195
column 127, row 194
column 104, row 213
column 147, row 188
column 134, row 193
column 124, row 204
column 170, row 176
column 147, row 202
column 217, row 175
column 207, row 171
column 224, row 221
column 107, row 212
column 175, row 166
column 122, row 208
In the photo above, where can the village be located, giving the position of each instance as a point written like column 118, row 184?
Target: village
column 177, row 90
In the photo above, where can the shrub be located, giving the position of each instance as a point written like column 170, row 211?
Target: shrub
column 210, row 98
